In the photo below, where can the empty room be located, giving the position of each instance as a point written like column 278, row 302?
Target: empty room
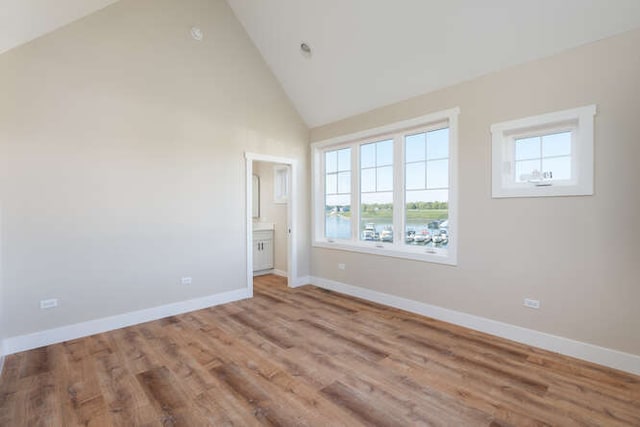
column 319, row 213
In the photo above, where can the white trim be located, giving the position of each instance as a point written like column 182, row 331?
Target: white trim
column 1, row 364
column 393, row 127
column 592, row 353
column 292, row 212
column 579, row 120
column 249, row 222
column 280, row 273
column 384, row 249
column 301, row 281
column 105, row 324
column 262, row 272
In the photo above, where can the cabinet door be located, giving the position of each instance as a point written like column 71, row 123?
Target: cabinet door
column 267, row 253
column 257, row 255
column 262, row 250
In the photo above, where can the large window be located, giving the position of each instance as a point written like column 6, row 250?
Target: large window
column 401, row 201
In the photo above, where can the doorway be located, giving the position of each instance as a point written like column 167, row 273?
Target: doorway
column 277, row 214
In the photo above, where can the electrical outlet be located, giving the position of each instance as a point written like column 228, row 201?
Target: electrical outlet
column 532, row 303
column 342, row 266
column 186, row 280
column 48, row 303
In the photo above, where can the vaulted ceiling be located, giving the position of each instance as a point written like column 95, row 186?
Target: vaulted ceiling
column 369, row 53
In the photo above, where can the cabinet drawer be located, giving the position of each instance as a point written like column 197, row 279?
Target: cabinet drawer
column 263, row 235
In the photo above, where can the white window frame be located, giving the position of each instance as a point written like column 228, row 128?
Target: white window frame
column 394, row 131
column 580, row 121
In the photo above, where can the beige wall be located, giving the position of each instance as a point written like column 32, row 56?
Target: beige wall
column 578, row 255
column 122, row 143
column 273, row 212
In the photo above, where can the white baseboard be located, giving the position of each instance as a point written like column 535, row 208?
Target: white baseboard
column 91, row 327
column 592, row 353
column 279, row 272
column 1, row 364
column 300, row 281
column 262, row 272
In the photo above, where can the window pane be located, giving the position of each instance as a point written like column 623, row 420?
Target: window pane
column 368, row 180
column 376, row 192
column 384, row 154
column 438, row 144
column 344, row 182
column 367, row 155
column 415, row 147
column 331, row 161
column 385, row 179
column 337, row 207
column 339, row 200
column 426, row 211
column 527, row 148
column 337, row 226
column 526, row 168
column 558, row 144
column 331, row 183
column 415, row 176
column 426, row 218
column 376, row 216
column 560, row 167
column 338, row 217
column 438, row 174
column 344, row 159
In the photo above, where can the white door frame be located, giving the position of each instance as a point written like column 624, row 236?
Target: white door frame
column 292, row 210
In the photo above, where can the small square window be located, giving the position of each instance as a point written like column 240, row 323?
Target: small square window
column 547, row 155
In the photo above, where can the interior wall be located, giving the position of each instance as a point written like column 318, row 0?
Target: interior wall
column 272, row 212
column 578, row 255
column 122, row 145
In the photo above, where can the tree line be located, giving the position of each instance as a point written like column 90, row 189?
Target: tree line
column 410, row 206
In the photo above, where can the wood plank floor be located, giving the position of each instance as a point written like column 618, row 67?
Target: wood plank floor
column 307, row 356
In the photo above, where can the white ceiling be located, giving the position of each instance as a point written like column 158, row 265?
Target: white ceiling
column 24, row 20
column 369, row 53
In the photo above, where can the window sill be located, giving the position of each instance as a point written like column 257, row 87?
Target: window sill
column 436, row 256
column 530, row 190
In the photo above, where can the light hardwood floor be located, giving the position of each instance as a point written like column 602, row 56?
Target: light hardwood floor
column 307, row 356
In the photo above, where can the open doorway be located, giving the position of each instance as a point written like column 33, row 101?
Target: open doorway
column 271, row 207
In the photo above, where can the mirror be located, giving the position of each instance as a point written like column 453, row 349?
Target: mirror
column 255, row 203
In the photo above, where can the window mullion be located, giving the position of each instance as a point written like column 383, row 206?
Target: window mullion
column 398, row 190
column 355, row 191
column 321, row 195
column 541, row 155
